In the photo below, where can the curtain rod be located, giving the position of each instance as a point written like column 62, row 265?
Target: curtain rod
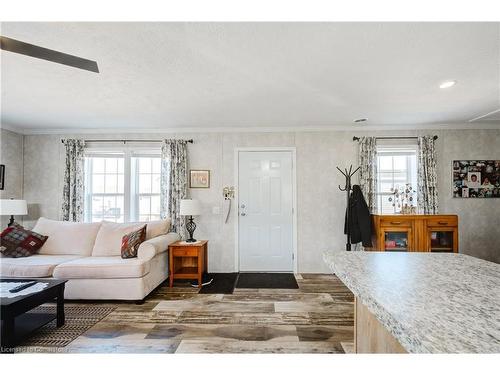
column 358, row 138
column 127, row 140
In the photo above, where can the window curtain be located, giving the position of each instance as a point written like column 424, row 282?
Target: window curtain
column 367, row 160
column 72, row 206
column 427, row 175
column 174, row 181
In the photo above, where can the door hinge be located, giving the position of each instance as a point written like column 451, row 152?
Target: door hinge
column 293, row 256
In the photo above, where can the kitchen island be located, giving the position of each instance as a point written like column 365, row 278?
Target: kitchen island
column 421, row 302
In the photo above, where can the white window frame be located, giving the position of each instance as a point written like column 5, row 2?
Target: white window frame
column 88, row 184
column 134, row 193
column 131, row 200
column 389, row 149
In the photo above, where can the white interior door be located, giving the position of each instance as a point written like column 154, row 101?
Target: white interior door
column 265, row 208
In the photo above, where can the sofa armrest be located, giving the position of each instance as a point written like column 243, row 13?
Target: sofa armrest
column 148, row 249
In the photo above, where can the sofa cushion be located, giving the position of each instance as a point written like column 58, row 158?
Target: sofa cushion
column 18, row 242
column 113, row 267
column 108, row 242
column 157, row 228
column 33, row 266
column 67, row 238
column 131, row 242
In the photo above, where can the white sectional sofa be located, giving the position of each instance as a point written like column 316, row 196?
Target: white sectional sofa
column 88, row 256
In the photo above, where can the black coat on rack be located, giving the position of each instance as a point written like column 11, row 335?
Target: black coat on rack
column 348, row 188
column 360, row 220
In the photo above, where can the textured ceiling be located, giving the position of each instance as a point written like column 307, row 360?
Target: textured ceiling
column 216, row 75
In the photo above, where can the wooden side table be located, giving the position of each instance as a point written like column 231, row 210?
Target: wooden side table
column 187, row 260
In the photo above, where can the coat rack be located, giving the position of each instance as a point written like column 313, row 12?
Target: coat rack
column 347, row 188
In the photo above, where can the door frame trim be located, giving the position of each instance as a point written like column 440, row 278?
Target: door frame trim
column 293, row 151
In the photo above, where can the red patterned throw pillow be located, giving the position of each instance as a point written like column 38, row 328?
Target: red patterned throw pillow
column 17, row 242
column 131, row 242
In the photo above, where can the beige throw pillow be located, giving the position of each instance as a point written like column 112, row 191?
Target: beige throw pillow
column 156, row 228
column 109, row 238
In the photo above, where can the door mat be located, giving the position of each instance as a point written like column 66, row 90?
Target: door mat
column 78, row 320
column 267, row 280
column 222, row 283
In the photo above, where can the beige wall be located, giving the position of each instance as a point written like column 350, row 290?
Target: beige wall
column 11, row 155
column 320, row 205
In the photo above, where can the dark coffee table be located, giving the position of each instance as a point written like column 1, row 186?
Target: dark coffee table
column 18, row 323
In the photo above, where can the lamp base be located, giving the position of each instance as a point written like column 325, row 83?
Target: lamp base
column 11, row 221
column 190, row 226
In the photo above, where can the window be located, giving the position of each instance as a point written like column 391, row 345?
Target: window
column 396, row 167
column 104, row 188
column 122, row 186
column 147, row 187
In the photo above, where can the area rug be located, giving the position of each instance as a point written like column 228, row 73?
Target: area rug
column 78, row 320
column 267, row 280
column 222, row 283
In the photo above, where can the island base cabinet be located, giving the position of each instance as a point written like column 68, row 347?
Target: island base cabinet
column 370, row 336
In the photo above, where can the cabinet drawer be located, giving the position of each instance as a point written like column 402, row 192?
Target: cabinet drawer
column 180, row 252
column 442, row 222
column 396, row 222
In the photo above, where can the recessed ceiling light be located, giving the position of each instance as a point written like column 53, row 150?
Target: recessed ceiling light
column 447, row 84
column 361, row 120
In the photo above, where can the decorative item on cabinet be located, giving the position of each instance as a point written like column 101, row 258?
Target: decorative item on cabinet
column 419, row 233
column 402, row 199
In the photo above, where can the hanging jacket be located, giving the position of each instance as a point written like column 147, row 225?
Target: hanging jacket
column 360, row 218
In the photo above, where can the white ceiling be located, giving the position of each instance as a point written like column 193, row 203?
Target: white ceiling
column 241, row 75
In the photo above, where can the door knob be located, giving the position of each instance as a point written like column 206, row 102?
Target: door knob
column 242, row 206
column 243, row 214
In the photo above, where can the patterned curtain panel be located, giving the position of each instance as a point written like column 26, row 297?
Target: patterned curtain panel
column 427, row 175
column 174, row 181
column 72, row 206
column 367, row 160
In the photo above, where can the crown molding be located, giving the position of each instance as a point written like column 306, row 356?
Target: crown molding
column 333, row 128
column 12, row 128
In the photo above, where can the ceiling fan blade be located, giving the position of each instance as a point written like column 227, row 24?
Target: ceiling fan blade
column 27, row 49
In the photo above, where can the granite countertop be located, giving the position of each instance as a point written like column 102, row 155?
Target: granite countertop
column 432, row 303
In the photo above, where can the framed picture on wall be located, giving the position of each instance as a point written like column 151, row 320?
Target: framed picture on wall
column 476, row 178
column 199, row 179
column 2, row 176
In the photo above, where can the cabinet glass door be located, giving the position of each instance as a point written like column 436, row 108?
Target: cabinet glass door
column 396, row 241
column 441, row 241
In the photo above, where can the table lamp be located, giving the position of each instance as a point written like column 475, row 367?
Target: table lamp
column 13, row 207
column 190, row 207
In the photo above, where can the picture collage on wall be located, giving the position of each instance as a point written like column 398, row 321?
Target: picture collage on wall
column 476, row 178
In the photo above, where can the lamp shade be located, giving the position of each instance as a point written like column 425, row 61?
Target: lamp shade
column 13, row 207
column 190, row 207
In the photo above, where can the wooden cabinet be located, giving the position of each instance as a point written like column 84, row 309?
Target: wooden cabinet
column 397, row 238
column 421, row 233
column 188, row 260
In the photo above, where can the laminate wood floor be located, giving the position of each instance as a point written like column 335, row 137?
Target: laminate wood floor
column 316, row 318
